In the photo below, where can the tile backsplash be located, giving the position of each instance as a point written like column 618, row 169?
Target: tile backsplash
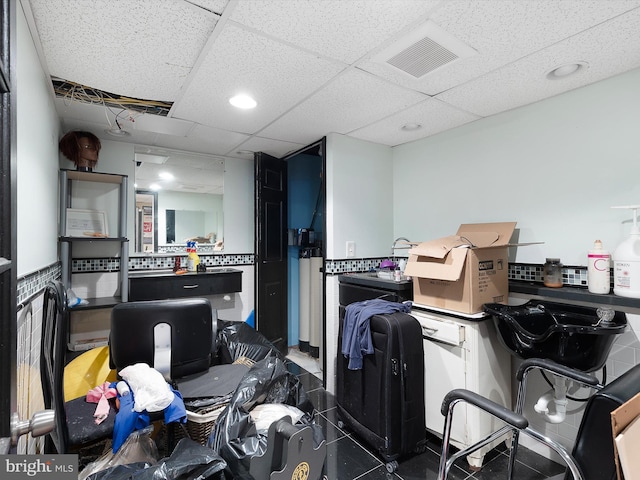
column 573, row 276
column 33, row 283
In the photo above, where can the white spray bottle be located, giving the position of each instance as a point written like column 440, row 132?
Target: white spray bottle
column 626, row 261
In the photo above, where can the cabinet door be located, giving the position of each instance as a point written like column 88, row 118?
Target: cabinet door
column 444, row 367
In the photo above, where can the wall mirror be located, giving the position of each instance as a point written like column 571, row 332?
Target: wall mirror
column 179, row 198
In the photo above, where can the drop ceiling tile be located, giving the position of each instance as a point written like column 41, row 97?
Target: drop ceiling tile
column 145, row 49
column 165, row 125
column 276, row 75
column 215, row 6
column 99, row 130
column 610, row 49
column 275, row 148
column 203, row 139
column 503, row 31
column 352, row 100
column 327, row 27
column 433, row 115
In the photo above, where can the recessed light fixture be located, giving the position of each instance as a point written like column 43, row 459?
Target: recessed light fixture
column 566, row 69
column 117, row 132
column 243, row 101
column 166, row 176
column 410, row 127
column 154, row 187
column 244, row 152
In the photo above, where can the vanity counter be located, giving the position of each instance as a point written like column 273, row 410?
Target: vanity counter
column 161, row 284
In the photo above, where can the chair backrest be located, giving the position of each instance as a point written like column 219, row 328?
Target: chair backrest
column 175, row 336
column 593, row 449
column 53, row 347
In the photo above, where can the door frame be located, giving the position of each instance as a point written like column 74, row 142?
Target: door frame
column 321, row 145
column 8, row 272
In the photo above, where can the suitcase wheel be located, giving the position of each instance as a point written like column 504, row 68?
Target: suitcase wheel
column 420, row 448
column 392, row 466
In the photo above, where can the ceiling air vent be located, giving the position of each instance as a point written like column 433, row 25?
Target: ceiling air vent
column 423, row 51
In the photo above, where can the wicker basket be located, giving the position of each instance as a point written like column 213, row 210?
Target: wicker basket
column 199, row 424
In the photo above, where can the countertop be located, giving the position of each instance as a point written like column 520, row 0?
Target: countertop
column 171, row 273
column 574, row 295
column 517, row 289
column 370, row 279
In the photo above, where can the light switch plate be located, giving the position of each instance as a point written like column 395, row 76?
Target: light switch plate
column 351, row 249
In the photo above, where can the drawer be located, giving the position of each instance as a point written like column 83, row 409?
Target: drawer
column 439, row 329
column 179, row 286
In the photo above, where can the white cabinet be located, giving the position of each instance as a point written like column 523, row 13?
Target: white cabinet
column 460, row 353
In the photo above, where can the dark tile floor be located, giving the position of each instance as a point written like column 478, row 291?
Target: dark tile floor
column 348, row 457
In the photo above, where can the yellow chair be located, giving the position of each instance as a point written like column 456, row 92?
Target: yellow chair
column 87, row 371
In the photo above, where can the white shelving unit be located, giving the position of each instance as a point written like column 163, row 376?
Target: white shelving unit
column 69, row 178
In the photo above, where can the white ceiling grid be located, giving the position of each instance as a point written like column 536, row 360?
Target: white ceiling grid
column 135, row 49
column 310, row 64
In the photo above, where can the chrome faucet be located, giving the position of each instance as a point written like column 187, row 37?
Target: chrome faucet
column 393, row 247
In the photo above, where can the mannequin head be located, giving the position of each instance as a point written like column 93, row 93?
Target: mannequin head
column 82, row 148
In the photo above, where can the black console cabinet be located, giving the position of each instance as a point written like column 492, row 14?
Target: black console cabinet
column 158, row 286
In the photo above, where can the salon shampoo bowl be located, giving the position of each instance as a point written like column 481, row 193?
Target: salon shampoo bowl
column 575, row 336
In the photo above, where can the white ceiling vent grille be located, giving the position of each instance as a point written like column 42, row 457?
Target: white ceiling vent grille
column 423, row 51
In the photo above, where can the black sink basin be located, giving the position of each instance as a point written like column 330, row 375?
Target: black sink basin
column 571, row 335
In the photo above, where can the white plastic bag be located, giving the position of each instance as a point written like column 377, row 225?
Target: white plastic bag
column 150, row 390
column 265, row 414
column 138, row 448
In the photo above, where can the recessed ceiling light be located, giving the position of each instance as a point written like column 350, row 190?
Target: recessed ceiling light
column 410, row 127
column 154, row 187
column 244, row 152
column 565, row 70
column 166, row 176
column 243, row 101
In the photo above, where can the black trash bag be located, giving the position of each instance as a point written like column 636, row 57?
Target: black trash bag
column 235, row 437
column 188, row 460
column 237, row 339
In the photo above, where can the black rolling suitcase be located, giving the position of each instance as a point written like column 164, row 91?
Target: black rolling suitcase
column 384, row 402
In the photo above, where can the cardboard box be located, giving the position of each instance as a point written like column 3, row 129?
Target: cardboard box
column 625, row 426
column 89, row 328
column 463, row 271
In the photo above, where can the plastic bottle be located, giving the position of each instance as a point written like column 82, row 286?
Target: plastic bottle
column 123, row 388
column 193, row 260
column 598, row 269
column 626, row 261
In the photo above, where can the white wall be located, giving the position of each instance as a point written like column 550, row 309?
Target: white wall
column 556, row 167
column 238, row 206
column 360, row 209
column 359, row 197
column 37, row 154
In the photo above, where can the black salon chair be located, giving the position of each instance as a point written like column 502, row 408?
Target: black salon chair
column 177, row 337
column 75, row 426
column 592, row 457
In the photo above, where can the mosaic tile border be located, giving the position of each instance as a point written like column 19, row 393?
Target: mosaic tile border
column 87, row 265
column 573, row 276
column 34, row 283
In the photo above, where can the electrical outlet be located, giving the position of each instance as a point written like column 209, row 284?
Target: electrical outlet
column 351, row 249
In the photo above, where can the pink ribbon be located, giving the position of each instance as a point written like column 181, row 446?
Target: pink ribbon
column 101, row 395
